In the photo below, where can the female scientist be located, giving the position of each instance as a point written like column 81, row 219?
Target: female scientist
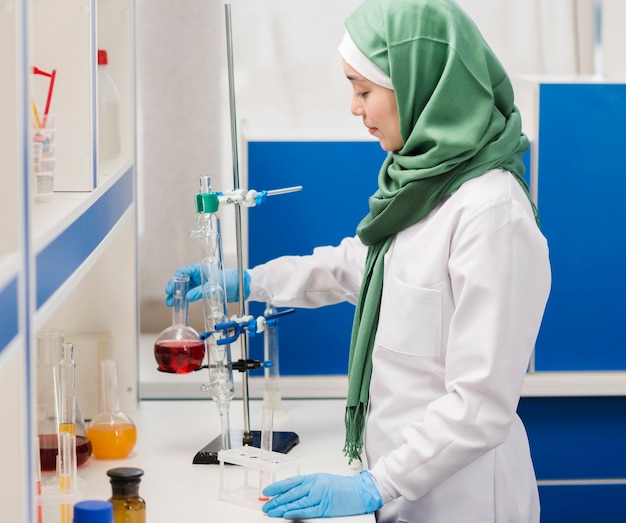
column 450, row 276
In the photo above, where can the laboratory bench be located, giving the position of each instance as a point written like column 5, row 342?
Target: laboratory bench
column 170, row 433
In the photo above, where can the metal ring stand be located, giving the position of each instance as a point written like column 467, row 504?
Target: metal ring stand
column 282, row 441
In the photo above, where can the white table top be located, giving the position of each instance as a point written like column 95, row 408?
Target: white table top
column 170, row 433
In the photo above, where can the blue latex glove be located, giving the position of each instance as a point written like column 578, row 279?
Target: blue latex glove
column 194, row 293
column 322, row 496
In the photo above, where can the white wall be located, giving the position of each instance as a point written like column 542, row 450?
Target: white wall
column 288, row 77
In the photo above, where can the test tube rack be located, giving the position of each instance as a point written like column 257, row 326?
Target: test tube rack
column 245, row 491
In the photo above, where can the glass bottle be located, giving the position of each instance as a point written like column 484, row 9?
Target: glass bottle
column 55, row 359
column 128, row 507
column 112, row 433
column 93, row 511
column 179, row 349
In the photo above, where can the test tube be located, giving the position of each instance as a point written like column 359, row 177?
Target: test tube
column 67, row 390
column 267, row 427
column 67, row 471
column 271, row 393
column 37, row 473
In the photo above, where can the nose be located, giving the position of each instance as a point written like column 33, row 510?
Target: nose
column 356, row 107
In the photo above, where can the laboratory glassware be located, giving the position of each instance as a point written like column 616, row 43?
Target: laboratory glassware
column 93, row 511
column 128, row 506
column 109, row 146
column 112, row 433
column 55, row 360
column 208, row 234
column 179, row 349
column 271, row 392
column 67, row 471
column 266, row 448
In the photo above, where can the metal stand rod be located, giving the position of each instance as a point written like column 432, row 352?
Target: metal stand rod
column 247, row 437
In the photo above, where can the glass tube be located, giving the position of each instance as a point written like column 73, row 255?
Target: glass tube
column 221, row 384
column 67, row 390
column 267, row 427
column 271, row 393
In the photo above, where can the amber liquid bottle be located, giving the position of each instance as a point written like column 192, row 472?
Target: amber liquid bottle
column 128, row 507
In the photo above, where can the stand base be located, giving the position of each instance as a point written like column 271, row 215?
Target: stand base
column 282, row 442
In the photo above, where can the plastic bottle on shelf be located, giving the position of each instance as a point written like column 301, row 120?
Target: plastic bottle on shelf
column 109, row 143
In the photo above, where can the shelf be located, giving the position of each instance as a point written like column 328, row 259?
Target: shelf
column 70, row 229
column 555, row 384
column 50, row 219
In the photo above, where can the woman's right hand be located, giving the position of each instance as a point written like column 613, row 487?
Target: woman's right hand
column 194, row 292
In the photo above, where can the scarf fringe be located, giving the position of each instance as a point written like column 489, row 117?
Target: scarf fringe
column 355, row 426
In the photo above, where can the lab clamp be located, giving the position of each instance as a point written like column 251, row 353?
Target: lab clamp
column 221, row 331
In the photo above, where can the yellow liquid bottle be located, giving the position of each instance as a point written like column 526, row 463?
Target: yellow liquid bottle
column 112, row 433
column 128, row 507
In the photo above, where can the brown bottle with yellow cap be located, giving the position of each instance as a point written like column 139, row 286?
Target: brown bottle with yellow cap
column 128, row 507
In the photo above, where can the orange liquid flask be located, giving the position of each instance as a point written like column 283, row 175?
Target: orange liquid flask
column 112, row 433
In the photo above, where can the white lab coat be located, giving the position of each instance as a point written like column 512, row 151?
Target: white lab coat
column 463, row 296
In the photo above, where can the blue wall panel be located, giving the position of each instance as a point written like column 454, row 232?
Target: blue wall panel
column 576, row 438
column 582, row 182
column 338, row 178
column 9, row 308
column 583, row 504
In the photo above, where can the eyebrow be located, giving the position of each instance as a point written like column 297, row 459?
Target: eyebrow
column 354, row 78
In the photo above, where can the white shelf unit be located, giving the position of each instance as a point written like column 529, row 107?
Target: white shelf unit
column 71, row 262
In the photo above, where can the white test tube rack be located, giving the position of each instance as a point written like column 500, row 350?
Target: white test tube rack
column 241, row 487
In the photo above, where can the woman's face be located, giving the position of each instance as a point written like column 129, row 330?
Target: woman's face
column 377, row 106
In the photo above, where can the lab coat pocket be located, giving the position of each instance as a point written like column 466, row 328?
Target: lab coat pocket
column 410, row 319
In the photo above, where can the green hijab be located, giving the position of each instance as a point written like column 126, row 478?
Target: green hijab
column 457, row 120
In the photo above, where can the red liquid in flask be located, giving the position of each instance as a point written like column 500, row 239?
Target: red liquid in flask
column 49, row 449
column 179, row 356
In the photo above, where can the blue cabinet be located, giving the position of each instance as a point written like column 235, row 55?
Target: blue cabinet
column 581, row 177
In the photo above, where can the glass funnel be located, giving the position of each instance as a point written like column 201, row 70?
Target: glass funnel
column 56, row 400
column 112, row 433
column 179, row 349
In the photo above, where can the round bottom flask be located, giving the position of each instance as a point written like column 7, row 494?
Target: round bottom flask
column 179, row 349
column 112, row 433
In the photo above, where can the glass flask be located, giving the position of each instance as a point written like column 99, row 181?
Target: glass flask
column 112, row 433
column 55, row 359
column 128, row 507
column 179, row 349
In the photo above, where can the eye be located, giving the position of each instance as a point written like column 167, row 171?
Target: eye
column 361, row 94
